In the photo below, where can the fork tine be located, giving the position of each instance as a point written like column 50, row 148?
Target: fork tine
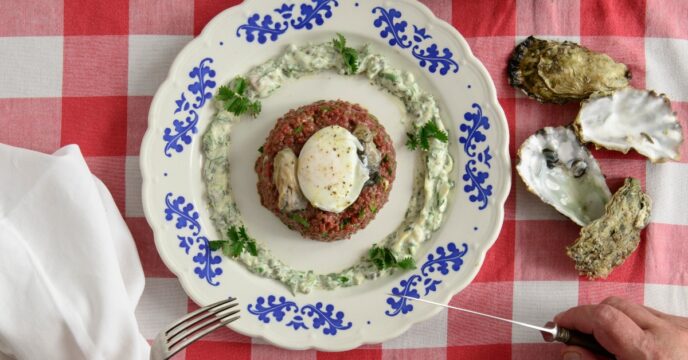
column 201, row 334
column 179, row 337
column 195, row 313
column 200, row 317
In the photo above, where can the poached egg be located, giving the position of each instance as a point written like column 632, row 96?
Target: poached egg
column 330, row 173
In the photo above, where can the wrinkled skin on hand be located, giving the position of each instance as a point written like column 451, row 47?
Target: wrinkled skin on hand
column 628, row 330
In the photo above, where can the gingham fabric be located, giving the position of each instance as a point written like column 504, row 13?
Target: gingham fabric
column 85, row 71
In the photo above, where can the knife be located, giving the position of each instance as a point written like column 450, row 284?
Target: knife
column 550, row 332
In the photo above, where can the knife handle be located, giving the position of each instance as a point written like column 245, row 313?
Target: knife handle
column 587, row 341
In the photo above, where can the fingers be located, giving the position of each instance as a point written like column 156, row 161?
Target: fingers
column 612, row 328
column 579, row 318
column 676, row 320
column 576, row 353
column 638, row 313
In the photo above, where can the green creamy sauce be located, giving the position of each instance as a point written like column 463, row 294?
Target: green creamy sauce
column 431, row 185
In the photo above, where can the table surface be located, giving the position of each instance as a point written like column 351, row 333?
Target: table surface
column 84, row 72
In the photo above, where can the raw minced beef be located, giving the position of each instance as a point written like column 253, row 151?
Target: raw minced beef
column 292, row 130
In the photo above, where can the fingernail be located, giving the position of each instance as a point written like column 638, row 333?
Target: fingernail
column 571, row 355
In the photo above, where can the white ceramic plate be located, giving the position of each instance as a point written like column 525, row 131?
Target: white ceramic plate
column 244, row 36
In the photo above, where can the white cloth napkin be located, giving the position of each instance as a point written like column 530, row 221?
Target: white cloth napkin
column 70, row 276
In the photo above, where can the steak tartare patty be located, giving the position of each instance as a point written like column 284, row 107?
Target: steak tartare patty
column 292, row 131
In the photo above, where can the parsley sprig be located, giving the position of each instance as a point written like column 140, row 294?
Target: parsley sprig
column 235, row 99
column 423, row 135
column 237, row 243
column 350, row 55
column 383, row 258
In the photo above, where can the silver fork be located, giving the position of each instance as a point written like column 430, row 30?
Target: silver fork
column 192, row 327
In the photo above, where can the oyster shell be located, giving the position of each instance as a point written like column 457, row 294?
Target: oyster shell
column 561, row 171
column 557, row 72
column 606, row 242
column 631, row 118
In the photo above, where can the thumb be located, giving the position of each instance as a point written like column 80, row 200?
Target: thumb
column 576, row 353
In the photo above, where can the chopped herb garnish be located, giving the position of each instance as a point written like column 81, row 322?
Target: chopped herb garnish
column 344, row 223
column 260, row 149
column 343, row 279
column 350, row 55
column 300, row 219
column 383, row 258
column 423, row 135
column 361, row 213
column 390, row 77
column 325, row 109
column 237, row 243
column 373, row 208
column 235, row 99
column 375, row 178
column 298, row 129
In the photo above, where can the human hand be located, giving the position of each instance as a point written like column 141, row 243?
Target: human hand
column 626, row 329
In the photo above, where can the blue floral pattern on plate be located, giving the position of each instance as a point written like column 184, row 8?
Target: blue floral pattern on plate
column 181, row 132
column 270, row 26
column 280, row 309
column 185, row 219
column 437, row 265
column 476, row 185
column 423, row 49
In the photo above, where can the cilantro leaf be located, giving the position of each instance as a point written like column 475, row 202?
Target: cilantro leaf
column 339, row 42
column 254, row 108
column 411, row 141
column 232, row 234
column 240, row 85
column 383, row 258
column 251, row 248
column 235, row 99
column 430, row 129
column 215, row 244
column 423, row 135
column 237, row 243
column 242, row 234
column 349, row 55
column 407, row 263
column 236, row 248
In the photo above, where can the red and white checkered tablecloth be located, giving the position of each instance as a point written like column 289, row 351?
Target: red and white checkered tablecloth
column 84, row 72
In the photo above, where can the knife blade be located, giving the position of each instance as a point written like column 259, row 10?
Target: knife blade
column 550, row 332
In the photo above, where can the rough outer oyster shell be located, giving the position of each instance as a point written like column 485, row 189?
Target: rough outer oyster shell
column 631, row 118
column 557, row 72
column 606, row 242
column 561, row 171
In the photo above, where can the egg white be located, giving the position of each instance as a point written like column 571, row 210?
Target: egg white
column 330, row 173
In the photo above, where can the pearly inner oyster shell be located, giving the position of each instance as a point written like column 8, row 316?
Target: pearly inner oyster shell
column 606, row 242
column 561, row 171
column 631, row 118
column 558, row 72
